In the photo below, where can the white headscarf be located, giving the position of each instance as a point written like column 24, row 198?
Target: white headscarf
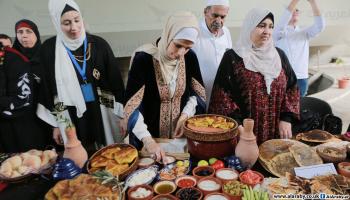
column 265, row 59
column 218, row 3
column 177, row 22
column 68, row 87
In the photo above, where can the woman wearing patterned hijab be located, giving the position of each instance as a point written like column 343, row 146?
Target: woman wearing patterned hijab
column 165, row 85
column 82, row 81
column 255, row 80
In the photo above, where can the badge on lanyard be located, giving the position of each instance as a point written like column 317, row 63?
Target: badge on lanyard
column 86, row 88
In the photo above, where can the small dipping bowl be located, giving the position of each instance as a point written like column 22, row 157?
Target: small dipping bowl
column 164, row 187
column 189, row 193
column 138, row 192
column 209, row 185
column 217, row 196
column 145, row 162
column 186, row 181
column 226, row 174
column 165, row 197
column 259, row 178
column 200, row 172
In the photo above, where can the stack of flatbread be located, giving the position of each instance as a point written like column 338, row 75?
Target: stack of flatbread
column 279, row 156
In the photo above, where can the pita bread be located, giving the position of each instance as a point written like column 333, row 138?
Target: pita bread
column 282, row 163
column 271, row 148
column 318, row 136
column 305, row 155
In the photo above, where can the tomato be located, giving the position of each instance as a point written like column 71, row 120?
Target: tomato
column 251, row 177
column 218, row 164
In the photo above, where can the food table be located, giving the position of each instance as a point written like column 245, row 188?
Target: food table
column 121, row 160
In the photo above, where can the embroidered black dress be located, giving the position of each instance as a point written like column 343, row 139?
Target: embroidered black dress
column 19, row 127
column 240, row 93
column 147, row 94
column 103, row 73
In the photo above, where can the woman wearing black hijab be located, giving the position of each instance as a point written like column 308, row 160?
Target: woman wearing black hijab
column 19, row 127
column 27, row 39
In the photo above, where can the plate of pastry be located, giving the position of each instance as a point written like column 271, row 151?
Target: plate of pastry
column 118, row 159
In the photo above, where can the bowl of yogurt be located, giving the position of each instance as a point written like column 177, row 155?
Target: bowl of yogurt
column 226, row 174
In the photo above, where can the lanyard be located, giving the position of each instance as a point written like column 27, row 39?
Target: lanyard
column 81, row 70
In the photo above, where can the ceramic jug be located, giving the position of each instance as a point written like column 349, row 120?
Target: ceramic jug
column 73, row 148
column 247, row 149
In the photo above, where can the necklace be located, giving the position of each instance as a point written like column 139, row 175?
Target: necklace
column 88, row 55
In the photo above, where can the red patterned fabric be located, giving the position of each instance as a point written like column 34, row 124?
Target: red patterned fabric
column 240, row 93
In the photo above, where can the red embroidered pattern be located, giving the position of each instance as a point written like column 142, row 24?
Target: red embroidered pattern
column 263, row 108
column 221, row 102
column 169, row 108
column 198, row 88
column 133, row 102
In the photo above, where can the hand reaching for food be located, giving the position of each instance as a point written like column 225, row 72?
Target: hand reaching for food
column 154, row 148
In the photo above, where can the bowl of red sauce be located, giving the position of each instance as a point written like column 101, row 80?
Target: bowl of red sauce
column 186, row 181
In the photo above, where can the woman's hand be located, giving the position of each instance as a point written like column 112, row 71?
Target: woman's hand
column 123, row 127
column 285, row 129
column 57, row 136
column 153, row 148
column 179, row 125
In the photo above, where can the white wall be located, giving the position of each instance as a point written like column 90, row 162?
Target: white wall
column 126, row 24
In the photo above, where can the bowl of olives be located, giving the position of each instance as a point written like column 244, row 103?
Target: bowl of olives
column 200, row 172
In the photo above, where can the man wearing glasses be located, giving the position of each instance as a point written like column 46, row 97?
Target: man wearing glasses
column 214, row 39
column 294, row 41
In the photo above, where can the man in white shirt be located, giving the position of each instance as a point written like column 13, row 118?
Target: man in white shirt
column 214, row 39
column 294, row 41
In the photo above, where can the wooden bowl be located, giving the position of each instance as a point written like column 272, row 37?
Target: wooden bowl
column 215, row 195
column 165, row 196
column 344, row 169
column 259, row 179
column 132, row 166
column 164, row 187
column 331, row 154
column 196, row 171
column 191, row 179
column 133, row 189
column 190, row 190
column 209, row 185
column 208, row 134
column 226, row 174
column 235, row 184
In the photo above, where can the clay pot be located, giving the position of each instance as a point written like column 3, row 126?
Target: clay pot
column 343, row 82
column 73, row 148
column 247, row 149
column 205, row 143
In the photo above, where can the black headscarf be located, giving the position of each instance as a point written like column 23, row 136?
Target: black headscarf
column 31, row 53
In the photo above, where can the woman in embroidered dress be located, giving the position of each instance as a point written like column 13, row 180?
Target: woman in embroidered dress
column 164, row 86
column 255, row 80
column 81, row 82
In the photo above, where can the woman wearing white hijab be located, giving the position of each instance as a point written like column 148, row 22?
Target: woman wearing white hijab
column 255, row 80
column 81, row 81
column 165, row 85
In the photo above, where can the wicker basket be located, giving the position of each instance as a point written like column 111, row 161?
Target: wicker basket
column 218, row 135
column 326, row 157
